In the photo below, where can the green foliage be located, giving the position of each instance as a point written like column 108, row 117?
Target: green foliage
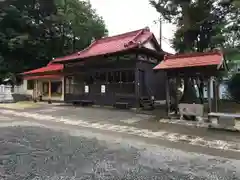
column 234, row 87
column 32, row 32
column 201, row 25
column 204, row 25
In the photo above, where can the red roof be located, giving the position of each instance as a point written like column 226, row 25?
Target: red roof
column 49, row 68
column 43, row 77
column 191, row 60
column 112, row 44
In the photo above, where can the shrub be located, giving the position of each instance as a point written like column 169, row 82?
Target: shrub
column 234, row 87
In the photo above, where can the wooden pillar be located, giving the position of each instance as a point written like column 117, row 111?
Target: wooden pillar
column 178, row 82
column 137, row 88
column 63, row 87
column 49, row 92
column 216, row 94
column 209, row 89
column 35, row 91
column 167, row 95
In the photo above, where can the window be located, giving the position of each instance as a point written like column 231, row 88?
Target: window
column 116, row 76
column 30, row 84
column 127, row 76
column 88, row 79
column 103, row 77
column 110, row 77
column 100, row 77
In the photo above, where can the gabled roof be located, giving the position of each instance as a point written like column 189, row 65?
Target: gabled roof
column 49, row 68
column 198, row 59
column 113, row 44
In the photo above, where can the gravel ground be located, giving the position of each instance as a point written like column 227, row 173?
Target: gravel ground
column 36, row 153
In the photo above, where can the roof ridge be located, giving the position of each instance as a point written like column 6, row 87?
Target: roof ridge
column 140, row 32
column 112, row 37
column 193, row 54
column 123, row 34
column 85, row 49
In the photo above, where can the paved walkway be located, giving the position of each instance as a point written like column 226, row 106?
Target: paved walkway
column 131, row 119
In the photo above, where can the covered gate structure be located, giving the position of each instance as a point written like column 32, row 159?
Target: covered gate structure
column 197, row 69
column 115, row 70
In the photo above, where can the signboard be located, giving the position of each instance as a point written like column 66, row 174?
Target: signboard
column 86, row 89
column 103, row 88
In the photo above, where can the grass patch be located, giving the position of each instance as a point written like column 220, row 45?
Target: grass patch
column 19, row 105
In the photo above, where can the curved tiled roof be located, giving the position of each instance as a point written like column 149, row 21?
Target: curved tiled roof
column 113, row 44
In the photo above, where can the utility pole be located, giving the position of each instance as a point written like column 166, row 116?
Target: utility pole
column 160, row 32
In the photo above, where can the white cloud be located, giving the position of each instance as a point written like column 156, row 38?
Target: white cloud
column 126, row 15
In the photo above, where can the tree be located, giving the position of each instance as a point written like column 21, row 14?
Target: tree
column 32, row 32
column 201, row 26
column 234, row 88
column 81, row 23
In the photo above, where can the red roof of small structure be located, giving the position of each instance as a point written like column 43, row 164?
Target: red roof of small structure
column 108, row 45
column 191, row 60
column 49, row 68
column 43, row 77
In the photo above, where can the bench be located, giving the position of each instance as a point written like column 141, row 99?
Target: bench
column 122, row 105
column 82, row 102
column 223, row 119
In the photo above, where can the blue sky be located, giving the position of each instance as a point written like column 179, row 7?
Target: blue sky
column 126, row 15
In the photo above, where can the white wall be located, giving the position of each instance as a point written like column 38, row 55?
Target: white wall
column 24, row 87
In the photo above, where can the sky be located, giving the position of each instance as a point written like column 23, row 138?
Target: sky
column 121, row 16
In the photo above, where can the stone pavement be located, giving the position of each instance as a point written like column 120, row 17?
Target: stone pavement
column 133, row 124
